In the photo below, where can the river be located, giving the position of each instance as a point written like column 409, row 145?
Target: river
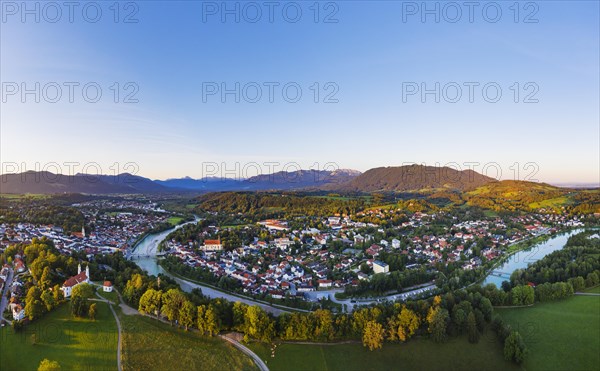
column 522, row 258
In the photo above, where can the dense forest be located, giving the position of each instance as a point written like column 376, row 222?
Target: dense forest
column 511, row 195
column 270, row 205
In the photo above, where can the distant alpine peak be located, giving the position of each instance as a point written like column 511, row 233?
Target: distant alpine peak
column 350, row 172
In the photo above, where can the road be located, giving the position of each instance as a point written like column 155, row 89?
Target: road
column 4, row 300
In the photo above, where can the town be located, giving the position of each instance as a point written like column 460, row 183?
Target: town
column 279, row 261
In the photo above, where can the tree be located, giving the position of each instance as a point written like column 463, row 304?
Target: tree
column 522, row 295
column 57, row 295
column 459, row 317
column 134, row 289
column 201, row 320
column 438, row 324
column 172, row 302
column 472, row 328
column 323, row 324
column 578, row 283
column 48, row 365
column 84, row 291
column 150, row 302
column 486, row 308
column 514, row 348
column 34, row 307
column 79, row 306
column 211, row 320
column 45, row 279
column 239, row 314
column 92, row 311
column 48, row 300
column 258, row 325
column 373, row 334
column 404, row 325
column 186, row 314
column 592, row 279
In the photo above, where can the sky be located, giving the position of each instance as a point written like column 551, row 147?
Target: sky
column 167, row 89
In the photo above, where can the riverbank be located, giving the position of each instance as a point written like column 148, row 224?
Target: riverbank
column 524, row 246
column 230, row 295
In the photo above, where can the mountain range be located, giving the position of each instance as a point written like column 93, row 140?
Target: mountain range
column 383, row 179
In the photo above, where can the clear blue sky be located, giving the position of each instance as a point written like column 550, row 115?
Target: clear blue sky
column 368, row 54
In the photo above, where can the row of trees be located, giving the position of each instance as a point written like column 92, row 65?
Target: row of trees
column 465, row 312
column 177, row 308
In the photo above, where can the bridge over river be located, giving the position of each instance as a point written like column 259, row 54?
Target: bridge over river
column 500, row 274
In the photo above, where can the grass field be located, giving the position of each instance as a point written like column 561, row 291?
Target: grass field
column 595, row 290
column 551, row 203
column 77, row 344
column 174, row 220
column 152, row 345
column 417, row 354
column 112, row 296
column 563, row 335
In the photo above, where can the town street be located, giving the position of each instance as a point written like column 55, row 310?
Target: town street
column 4, row 300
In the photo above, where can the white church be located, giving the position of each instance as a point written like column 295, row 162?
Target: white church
column 81, row 277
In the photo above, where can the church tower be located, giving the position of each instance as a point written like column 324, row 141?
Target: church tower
column 83, row 231
column 79, row 268
column 87, row 271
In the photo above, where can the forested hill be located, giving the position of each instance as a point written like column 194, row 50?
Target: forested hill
column 511, row 195
column 269, row 204
column 412, row 178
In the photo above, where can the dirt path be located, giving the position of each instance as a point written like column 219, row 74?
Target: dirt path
column 259, row 362
column 110, row 305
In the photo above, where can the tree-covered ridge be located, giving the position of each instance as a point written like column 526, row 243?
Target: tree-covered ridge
column 277, row 205
column 510, row 195
column 503, row 196
column 412, row 178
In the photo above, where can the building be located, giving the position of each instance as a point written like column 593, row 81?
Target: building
column 81, row 277
column 212, row 245
column 325, row 283
column 18, row 312
column 380, row 267
column 276, row 225
column 107, row 286
column 19, row 265
column 283, row 243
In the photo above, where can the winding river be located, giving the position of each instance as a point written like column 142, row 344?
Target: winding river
column 521, row 259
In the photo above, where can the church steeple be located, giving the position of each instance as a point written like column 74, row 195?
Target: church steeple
column 87, row 271
column 83, row 231
column 79, row 268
